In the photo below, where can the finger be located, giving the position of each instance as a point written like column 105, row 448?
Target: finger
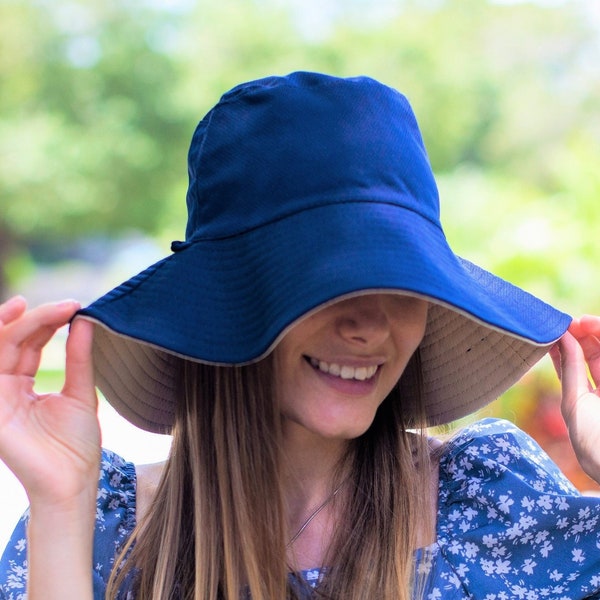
column 573, row 372
column 12, row 309
column 79, row 373
column 575, row 328
column 587, row 331
column 23, row 339
column 589, row 325
column 591, row 349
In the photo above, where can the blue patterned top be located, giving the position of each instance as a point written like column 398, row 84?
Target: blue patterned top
column 509, row 525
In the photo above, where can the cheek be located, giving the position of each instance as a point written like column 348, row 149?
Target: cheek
column 392, row 377
column 409, row 339
column 409, row 333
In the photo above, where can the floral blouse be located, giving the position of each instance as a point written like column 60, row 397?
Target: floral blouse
column 509, row 525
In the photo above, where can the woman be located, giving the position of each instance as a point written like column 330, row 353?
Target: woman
column 296, row 345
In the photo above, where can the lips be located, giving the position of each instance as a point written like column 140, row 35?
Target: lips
column 362, row 373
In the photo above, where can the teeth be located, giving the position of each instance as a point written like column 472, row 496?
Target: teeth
column 333, row 368
column 344, row 371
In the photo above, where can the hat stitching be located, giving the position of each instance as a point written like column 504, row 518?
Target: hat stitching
column 442, row 383
column 153, row 380
column 500, row 345
column 132, row 284
column 181, row 245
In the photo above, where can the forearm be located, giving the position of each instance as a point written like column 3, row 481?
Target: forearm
column 60, row 549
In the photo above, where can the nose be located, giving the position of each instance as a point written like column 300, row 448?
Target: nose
column 363, row 321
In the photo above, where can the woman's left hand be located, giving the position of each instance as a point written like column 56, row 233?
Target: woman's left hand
column 576, row 359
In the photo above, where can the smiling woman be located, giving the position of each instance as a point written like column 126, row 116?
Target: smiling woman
column 297, row 344
column 335, row 367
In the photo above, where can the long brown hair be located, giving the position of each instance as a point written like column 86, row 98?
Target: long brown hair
column 389, row 509
column 217, row 523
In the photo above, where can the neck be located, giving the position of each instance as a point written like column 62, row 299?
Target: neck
column 310, row 464
column 311, row 478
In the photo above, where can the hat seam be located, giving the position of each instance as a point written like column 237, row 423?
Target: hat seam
column 194, row 240
column 129, row 286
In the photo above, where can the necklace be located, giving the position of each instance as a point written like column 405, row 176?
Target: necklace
column 313, row 514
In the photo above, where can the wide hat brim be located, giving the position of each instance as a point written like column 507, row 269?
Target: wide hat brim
column 228, row 302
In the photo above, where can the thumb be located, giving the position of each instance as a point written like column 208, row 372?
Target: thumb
column 79, row 372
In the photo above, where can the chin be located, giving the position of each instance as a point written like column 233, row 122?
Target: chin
column 333, row 424
column 341, row 432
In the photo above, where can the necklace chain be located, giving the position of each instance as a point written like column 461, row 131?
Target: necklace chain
column 313, row 514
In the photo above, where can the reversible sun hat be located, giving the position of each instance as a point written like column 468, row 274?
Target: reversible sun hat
column 304, row 189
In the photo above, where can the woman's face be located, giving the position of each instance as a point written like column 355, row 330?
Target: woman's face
column 335, row 367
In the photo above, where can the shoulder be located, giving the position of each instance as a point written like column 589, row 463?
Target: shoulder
column 115, row 514
column 496, row 449
column 148, row 478
column 125, row 485
column 510, row 522
column 117, row 486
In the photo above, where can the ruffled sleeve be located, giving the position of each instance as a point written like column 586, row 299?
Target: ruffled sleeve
column 115, row 519
column 510, row 525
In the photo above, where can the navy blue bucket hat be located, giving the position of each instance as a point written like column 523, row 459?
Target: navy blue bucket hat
column 303, row 190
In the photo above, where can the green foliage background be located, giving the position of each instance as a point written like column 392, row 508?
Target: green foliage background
column 99, row 100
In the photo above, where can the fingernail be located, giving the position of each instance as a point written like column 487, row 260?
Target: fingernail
column 70, row 303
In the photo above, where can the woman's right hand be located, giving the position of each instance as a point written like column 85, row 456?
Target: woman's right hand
column 51, row 442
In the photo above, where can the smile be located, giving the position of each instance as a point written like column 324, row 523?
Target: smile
column 344, row 371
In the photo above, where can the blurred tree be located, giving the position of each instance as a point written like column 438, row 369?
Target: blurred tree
column 493, row 85
column 99, row 101
column 91, row 138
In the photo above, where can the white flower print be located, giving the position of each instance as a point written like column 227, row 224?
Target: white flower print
column 522, row 522
column 471, row 550
column 505, row 503
column 528, row 566
column 578, row 555
column 509, row 525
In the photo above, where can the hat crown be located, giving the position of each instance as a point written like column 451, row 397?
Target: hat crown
column 282, row 145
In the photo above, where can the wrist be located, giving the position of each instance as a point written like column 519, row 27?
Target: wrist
column 60, row 540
